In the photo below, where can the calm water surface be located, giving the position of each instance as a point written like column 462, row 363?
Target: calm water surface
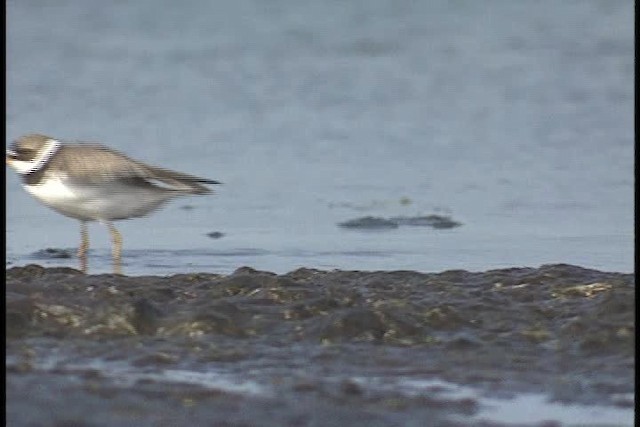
column 515, row 118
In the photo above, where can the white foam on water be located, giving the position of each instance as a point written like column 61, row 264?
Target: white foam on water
column 521, row 408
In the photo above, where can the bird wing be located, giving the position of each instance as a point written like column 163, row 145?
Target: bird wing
column 95, row 163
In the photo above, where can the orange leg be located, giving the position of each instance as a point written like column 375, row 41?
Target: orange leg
column 84, row 246
column 116, row 238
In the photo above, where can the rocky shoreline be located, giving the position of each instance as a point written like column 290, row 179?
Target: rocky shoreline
column 311, row 347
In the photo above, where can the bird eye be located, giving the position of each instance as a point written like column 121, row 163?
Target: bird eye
column 21, row 153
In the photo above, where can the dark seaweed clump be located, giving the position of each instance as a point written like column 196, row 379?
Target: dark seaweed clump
column 378, row 223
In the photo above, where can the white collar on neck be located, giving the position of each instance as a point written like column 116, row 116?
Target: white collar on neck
column 50, row 148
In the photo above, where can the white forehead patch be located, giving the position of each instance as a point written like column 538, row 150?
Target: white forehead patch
column 50, row 148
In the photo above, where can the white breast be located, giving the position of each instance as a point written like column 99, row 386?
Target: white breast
column 93, row 202
column 51, row 190
column 54, row 193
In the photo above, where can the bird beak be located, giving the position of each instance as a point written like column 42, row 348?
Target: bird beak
column 10, row 156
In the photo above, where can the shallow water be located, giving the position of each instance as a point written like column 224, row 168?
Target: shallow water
column 513, row 118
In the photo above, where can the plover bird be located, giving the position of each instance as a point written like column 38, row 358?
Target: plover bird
column 91, row 182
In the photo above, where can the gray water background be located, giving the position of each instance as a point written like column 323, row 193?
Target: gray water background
column 513, row 117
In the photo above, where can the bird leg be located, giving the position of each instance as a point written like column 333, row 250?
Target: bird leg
column 116, row 238
column 84, row 246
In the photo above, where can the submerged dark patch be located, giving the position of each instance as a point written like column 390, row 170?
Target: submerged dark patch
column 378, row 223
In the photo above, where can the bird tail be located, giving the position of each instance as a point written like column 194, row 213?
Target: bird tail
column 182, row 182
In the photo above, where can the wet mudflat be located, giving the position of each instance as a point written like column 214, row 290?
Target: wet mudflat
column 312, row 347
